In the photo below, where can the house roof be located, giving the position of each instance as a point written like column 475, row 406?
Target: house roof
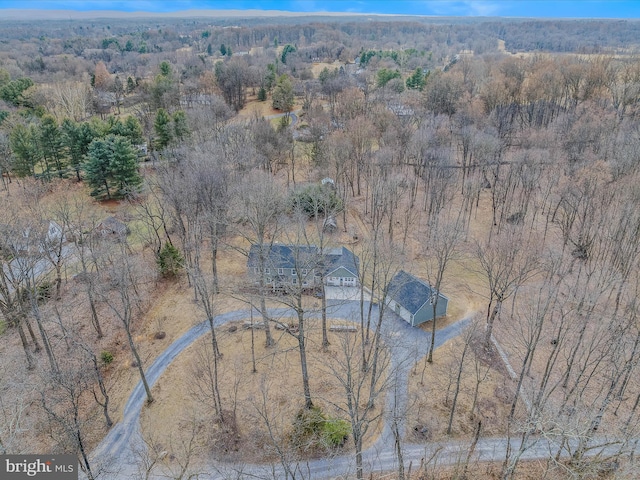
column 409, row 291
column 304, row 256
column 285, row 256
column 115, row 225
column 336, row 258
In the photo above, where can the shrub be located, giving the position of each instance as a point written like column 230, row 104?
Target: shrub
column 335, row 432
column 106, row 357
column 170, row 261
column 313, row 430
column 44, row 291
column 316, row 200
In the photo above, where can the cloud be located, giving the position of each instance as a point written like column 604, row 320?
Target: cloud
column 484, row 9
column 456, row 8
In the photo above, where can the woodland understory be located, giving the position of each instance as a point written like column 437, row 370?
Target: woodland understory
column 498, row 161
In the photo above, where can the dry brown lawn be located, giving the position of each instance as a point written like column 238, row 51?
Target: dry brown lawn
column 319, row 66
column 273, row 394
column 431, row 391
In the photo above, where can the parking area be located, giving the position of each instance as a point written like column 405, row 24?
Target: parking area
column 346, row 293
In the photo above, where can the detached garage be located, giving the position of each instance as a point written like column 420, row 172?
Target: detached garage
column 412, row 299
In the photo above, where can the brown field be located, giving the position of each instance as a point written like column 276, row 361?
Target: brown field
column 178, row 403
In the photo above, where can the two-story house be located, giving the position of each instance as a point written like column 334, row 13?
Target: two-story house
column 302, row 265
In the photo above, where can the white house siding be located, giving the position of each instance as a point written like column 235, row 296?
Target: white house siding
column 341, row 277
column 341, row 281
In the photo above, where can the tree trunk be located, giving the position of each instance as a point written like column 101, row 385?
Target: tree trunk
column 359, row 469
column 490, row 321
column 325, row 337
column 139, row 365
column 25, row 345
column 43, row 333
column 308, row 404
column 265, row 320
column 457, row 390
column 214, row 263
column 36, row 344
column 103, row 391
column 216, row 357
column 94, row 313
column 433, row 331
column 83, row 454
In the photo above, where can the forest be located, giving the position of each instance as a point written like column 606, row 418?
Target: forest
column 150, row 166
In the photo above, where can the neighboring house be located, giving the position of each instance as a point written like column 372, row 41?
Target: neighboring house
column 303, row 264
column 412, row 299
column 112, row 227
column 47, row 234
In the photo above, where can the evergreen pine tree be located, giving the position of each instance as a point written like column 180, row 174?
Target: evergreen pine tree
column 180, row 126
column 112, row 167
column 282, row 98
column 131, row 84
column 76, row 138
column 162, row 127
column 123, row 165
column 96, row 168
column 134, row 130
column 24, row 149
column 51, row 146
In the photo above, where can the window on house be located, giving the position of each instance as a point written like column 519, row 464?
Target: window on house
column 267, row 271
column 293, row 271
column 280, row 271
column 294, row 280
column 304, row 271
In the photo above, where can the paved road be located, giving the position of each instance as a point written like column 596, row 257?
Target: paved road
column 115, row 456
column 116, row 452
column 294, row 120
column 293, row 114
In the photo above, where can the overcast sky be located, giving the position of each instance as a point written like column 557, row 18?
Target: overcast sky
column 504, row 8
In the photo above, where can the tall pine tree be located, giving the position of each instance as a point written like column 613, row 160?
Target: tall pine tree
column 180, row 125
column 76, row 138
column 162, row 127
column 124, row 166
column 112, row 167
column 25, row 150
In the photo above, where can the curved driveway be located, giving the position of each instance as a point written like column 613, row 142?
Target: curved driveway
column 117, row 459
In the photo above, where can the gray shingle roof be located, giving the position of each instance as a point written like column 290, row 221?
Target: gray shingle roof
column 341, row 257
column 409, row 291
column 284, row 256
column 304, row 256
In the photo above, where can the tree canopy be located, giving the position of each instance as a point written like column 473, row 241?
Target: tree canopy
column 283, row 94
column 111, row 168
